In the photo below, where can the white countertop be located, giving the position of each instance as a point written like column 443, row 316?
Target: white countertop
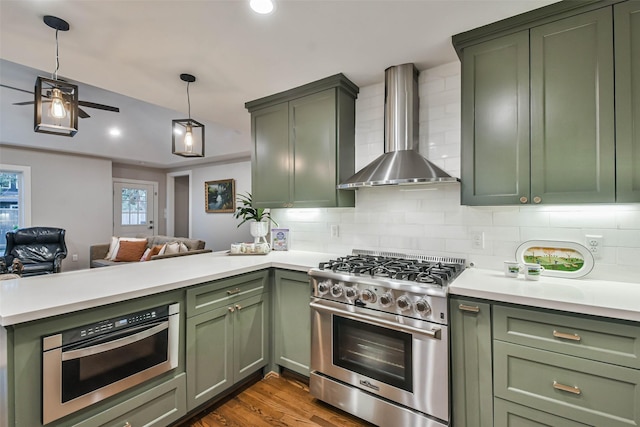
column 38, row 297
column 32, row 298
column 618, row 300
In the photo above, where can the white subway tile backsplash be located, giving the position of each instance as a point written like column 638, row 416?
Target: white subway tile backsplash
column 600, row 219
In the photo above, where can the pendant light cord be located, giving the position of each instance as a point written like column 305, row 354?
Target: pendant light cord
column 54, row 75
column 189, row 100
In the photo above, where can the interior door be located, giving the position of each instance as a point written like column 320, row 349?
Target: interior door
column 134, row 208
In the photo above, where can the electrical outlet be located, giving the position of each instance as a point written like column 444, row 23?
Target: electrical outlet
column 594, row 244
column 477, row 240
column 335, row 231
column 74, row 257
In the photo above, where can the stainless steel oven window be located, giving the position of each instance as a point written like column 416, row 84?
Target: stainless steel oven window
column 373, row 351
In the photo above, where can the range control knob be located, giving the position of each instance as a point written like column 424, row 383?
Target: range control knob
column 404, row 303
column 423, row 307
column 323, row 287
column 386, row 299
column 336, row 290
column 369, row 296
column 351, row 292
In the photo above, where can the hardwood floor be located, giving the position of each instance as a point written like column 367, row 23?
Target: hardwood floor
column 282, row 401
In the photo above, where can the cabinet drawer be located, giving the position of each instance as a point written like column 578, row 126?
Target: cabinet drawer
column 604, row 341
column 570, row 387
column 509, row 414
column 221, row 292
column 157, row 407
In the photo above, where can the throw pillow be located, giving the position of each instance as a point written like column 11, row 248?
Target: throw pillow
column 130, row 251
column 154, row 251
column 145, row 255
column 183, row 248
column 114, row 253
column 170, row 248
column 112, row 246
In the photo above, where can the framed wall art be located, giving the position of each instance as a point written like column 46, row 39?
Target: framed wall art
column 220, row 196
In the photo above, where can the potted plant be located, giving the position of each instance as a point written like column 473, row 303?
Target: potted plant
column 259, row 217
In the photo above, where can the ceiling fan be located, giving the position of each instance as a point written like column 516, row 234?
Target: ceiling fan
column 81, row 113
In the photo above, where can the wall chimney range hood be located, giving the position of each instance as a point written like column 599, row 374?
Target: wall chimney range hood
column 401, row 163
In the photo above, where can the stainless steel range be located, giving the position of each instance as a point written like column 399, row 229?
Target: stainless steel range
column 379, row 338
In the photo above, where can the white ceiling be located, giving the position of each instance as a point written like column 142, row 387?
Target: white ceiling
column 130, row 53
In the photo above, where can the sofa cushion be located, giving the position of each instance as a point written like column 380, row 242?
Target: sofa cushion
column 130, row 251
column 113, row 251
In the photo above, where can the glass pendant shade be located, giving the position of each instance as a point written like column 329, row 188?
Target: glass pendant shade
column 56, row 107
column 188, row 138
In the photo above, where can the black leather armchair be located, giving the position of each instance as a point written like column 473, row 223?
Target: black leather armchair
column 40, row 249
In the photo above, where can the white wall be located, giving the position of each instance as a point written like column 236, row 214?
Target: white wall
column 431, row 220
column 70, row 192
column 219, row 230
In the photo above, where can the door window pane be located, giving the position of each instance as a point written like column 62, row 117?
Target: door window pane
column 9, row 204
column 134, row 206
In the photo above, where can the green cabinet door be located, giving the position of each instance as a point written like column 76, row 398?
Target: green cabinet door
column 471, row 368
column 495, row 121
column 209, row 355
column 627, row 51
column 572, row 110
column 292, row 329
column 250, row 336
column 271, row 166
column 312, row 131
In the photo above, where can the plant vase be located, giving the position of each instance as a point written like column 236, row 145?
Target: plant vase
column 259, row 230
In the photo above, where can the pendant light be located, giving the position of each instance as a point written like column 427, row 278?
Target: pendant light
column 56, row 101
column 188, row 134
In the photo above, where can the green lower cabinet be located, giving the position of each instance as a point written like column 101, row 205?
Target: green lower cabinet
column 157, row 407
column 582, row 390
column 471, row 368
column 509, row 414
column 225, row 345
column 292, row 323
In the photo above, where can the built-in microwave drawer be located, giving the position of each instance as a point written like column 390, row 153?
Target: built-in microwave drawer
column 616, row 342
column 578, row 389
column 211, row 296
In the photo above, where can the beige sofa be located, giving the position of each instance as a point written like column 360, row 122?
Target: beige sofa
column 99, row 252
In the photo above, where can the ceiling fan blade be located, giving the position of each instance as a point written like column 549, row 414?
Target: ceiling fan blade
column 24, row 103
column 16, row 88
column 99, row 106
column 83, row 114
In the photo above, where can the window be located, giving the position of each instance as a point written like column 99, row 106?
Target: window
column 15, row 200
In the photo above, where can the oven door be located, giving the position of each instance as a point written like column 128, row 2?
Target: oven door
column 77, row 376
column 400, row 359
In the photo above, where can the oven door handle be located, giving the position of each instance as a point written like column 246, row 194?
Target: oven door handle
column 434, row 333
column 111, row 345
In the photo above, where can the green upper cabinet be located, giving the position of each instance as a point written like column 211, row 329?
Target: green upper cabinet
column 304, row 145
column 540, row 122
column 627, row 53
column 572, row 112
column 495, row 125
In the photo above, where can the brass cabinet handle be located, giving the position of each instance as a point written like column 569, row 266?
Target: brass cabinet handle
column 567, row 388
column 523, row 199
column 469, row 308
column 238, row 307
column 233, row 291
column 537, row 199
column 565, row 336
column 231, row 309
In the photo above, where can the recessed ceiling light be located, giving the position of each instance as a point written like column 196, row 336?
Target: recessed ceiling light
column 262, row 7
column 115, row 132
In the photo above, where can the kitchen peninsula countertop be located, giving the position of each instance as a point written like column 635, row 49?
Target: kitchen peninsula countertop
column 618, row 300
column 39, row 297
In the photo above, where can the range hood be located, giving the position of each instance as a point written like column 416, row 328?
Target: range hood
column 400, row 163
